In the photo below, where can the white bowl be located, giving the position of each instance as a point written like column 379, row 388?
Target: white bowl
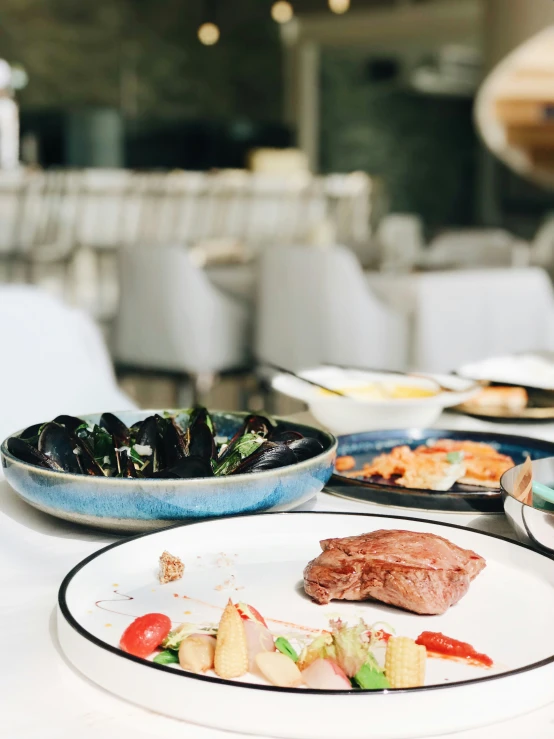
column 349, row 416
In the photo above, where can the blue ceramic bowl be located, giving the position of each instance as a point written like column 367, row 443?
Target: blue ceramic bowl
column 139, row 505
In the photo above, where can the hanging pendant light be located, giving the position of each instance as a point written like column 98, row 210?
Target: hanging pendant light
column 208, row 31
column 208, row 34
column 282, row 11
column 339, row 6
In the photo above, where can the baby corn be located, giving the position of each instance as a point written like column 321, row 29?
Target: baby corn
column 405, row 663
column 231, row 653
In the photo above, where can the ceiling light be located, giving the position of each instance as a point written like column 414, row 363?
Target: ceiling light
column 282, row 11
column 208, row 34
column 339, row 6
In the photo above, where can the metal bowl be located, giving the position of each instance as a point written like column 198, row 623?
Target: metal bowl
column 534, row 526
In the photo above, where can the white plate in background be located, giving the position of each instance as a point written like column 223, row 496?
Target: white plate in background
column 528, row 370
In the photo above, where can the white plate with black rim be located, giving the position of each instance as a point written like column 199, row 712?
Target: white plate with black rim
column 506, row 614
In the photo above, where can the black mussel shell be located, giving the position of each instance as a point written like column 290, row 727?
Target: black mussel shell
column 126, row 466
column 173, row 442
column 135, row 428
column 71, row 423
column 258, row 425
column 252, row 424
column 31, row 434
column 89, row 465
column 268, row 457
column 115, row 427
column 200, row 441
column 58, row 444
column 201, row 415
column 30, row 454
column 147, row 435
column 285, row 436
column 187, row 468
column 305, row 448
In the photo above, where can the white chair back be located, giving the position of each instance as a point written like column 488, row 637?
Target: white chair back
column 172, row 318
column 54, row 360
column 315, row 307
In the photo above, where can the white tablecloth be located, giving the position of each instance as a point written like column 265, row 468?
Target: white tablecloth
column 43, row 697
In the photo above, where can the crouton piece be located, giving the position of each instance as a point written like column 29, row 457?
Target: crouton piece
column 171, row 568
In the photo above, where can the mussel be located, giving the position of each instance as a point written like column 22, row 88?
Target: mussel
column 115, row 427
column 28, row 453
column 126, row 465
column 56, row 443
column 147, row 444
column 160, row 447
column 32, row 433
column 305, row 448
column 285, row 436
column 71, row 423
column 172, row 441
column 188, row 468
column 268, row 457
column 254, row 424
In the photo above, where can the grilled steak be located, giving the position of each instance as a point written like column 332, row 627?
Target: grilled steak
column 423, row 573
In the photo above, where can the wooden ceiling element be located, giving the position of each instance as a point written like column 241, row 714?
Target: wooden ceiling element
column 515, row 109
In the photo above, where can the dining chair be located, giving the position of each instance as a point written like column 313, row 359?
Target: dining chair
column 314, row 306
column 54, row 361
column 172, row 320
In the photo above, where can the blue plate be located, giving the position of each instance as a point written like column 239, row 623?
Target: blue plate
column 141, row 504
column 366, row 446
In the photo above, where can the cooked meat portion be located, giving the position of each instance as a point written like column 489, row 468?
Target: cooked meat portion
column 423, row 573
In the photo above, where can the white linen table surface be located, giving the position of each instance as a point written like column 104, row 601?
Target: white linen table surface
column 43, row 697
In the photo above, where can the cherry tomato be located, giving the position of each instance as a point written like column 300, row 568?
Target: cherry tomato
column 145, row 634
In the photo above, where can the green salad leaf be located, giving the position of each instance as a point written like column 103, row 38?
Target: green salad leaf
column 167, row 657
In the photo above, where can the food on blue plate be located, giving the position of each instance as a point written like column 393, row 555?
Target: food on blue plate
column 438, row 465
column 418, row 572
column 171, row 568
column 345, row 463
column 181, row 445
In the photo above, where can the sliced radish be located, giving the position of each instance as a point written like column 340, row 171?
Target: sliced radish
column 324, row 674
column 258, row 640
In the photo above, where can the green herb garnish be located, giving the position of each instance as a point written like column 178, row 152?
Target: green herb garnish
column 285, row 647
column 455, row 457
